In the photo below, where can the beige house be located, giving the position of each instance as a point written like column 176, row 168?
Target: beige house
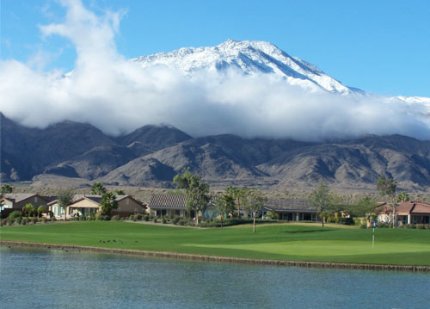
column 89, row 205
column 384, row 213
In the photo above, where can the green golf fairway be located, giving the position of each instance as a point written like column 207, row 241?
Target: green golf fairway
column 305, row 242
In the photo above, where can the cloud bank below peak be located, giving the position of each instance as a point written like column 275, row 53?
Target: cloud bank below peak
column 118, row 95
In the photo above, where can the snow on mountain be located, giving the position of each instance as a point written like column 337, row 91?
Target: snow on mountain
column 248, row 57
column 415, row 100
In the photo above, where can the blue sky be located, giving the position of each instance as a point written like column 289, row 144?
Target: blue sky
column 382, row 49
column 380, row 46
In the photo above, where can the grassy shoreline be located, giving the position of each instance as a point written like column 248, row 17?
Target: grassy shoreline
column 279, row 244
column 219, row 259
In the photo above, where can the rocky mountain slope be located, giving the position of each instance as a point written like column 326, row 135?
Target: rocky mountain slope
column 151, row 156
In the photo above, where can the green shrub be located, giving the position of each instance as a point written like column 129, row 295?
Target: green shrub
column 10, row 221
column 101, row 217
column 346, row 221
column 155, row 220
column 41, row 210
column 34, row 220
column 115, row 218
column 146, row 218
column 138, row 217
column 15, row 214
column 175, row 220
column 420, row 226
column 273, row 215
column 24, row 221
column 163, row 220
column 184, row 221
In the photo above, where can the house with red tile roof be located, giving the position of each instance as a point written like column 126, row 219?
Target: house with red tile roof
column 405, row 213
column 413, row 213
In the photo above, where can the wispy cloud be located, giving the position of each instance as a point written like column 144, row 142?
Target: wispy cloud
column 117, row 95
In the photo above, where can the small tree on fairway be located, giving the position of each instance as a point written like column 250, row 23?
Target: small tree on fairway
column 254, row 203
column 196, row 192
column 107, row 204
column 65, row 198
column 98, row 189
column 387, row 188
column 322, row 199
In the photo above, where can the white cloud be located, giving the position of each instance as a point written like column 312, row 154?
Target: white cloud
column 117, row 95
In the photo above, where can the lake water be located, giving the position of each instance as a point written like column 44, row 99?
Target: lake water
column 56, row 279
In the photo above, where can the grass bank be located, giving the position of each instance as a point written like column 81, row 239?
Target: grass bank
column 277, row 242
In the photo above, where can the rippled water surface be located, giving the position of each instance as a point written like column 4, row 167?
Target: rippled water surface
column 56, row 279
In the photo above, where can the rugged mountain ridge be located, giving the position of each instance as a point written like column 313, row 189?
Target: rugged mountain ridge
column 152, row 155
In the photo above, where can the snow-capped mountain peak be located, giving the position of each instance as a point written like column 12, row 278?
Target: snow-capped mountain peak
column 249, row 58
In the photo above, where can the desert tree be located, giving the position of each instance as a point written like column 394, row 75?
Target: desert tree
column 28, row 210
column 98, row 189
column 238, row 195
column 387, row 187
column 41, row 210
column 224, row 204
column 254, row 203
column 65, row 198
column 107, row 204
column 6, row 188
column 403, row 197
column 196, row 192
column 322, row 199
column 119, row 192
column 365, row 206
